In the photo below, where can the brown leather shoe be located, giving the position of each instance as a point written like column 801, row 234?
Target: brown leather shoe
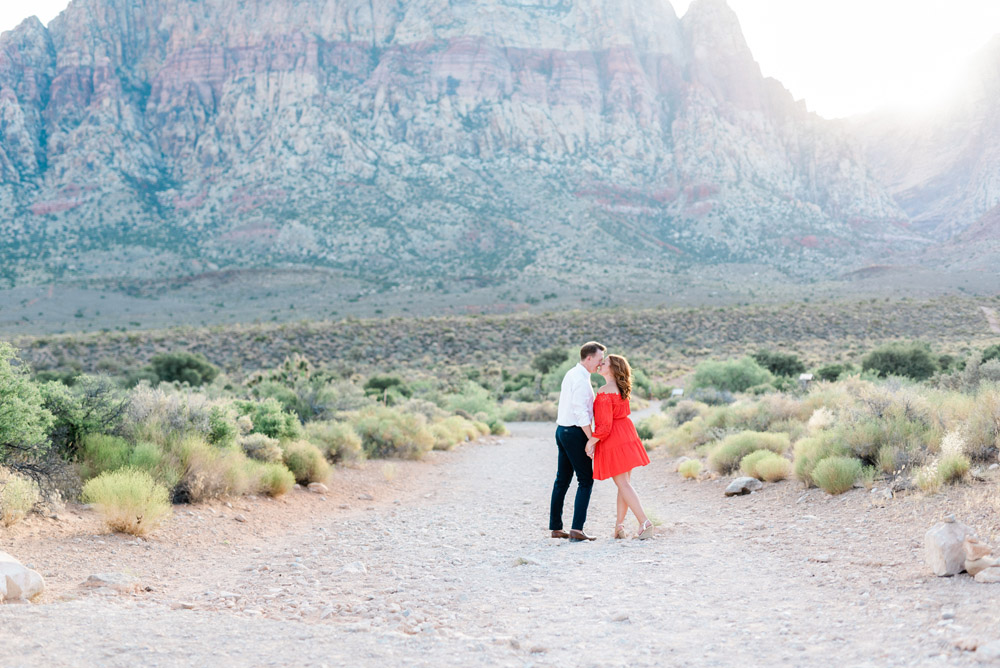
column 559, row 533
column 578, row 536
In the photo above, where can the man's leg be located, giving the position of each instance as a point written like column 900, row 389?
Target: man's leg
column 564, row 475
column 575, row 445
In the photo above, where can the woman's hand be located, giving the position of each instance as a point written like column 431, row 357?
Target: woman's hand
column 591, row 442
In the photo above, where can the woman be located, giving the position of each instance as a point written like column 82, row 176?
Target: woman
column 615, row 446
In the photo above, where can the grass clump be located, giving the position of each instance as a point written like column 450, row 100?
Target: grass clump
column 129, row 500
column 386, row 432
column 748, row 465
column 274, row 479
column 690, row 469
column 836, row 475
column 928, row 478
column 774, row 468
column 336, row 440
column 306, row 462
column 953, row 467
column 18, row 495
column 811, row 451
column 726, row 456
column 261, row 448
column 101, row 452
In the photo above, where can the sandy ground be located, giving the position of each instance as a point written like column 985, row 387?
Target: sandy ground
column 449, row 564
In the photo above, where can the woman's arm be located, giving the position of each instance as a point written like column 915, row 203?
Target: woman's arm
column 603, row 416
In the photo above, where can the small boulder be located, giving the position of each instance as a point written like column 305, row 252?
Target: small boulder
column 978, row 556
column 17, row 582
column 943, row 547
column 119, row 582
column 318, row 488
column 744, row 485
column 989, row 575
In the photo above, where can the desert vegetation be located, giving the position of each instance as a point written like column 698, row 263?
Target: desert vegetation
column 904, row 417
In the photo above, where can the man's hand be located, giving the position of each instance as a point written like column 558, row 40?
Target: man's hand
column 590, row 447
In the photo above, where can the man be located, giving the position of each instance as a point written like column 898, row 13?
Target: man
column 576, row 413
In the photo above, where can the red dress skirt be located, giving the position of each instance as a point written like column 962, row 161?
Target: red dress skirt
column 620, row 448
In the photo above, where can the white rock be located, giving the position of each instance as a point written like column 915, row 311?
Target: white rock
column 743, row 485
column 989, row 576
column 354, row 568
column 17, row 582
column 318, row 488
column 943, row 548
column 119, row 582
column 989, row 653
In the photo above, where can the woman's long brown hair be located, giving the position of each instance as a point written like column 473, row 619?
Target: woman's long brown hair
column 623, row 375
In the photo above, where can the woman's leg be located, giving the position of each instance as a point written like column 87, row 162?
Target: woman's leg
column 622, row 508
column 626, row 493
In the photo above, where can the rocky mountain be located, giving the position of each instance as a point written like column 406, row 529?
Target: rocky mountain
column 405, row 142
column 943, row 167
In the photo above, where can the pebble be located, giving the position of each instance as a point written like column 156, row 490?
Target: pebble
column 240, row 518
column 947, row 613
column 366, row 497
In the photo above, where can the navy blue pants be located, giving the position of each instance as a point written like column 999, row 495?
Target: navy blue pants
column 572, row 442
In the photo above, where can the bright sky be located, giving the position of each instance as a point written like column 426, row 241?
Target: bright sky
column 843, row 56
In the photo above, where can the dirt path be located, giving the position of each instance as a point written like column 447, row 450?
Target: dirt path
column 449, row 565
column 992, row 318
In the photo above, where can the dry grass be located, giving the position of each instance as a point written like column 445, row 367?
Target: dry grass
column 129, row 500
column 18, row 495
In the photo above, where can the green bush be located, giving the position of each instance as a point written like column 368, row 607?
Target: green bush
column 690, row 469
column 306, row 462
column 269, row 419
column 780, row 364
column 337, row 440
column 210, row 472
column 261, row 448
column 18, row 495
column 151, row 458
column 726, row 456
column 274, row 479
column 833, row 372
column 811, row 451
column 129, row 500
column 836, row 475
column 475, row 402
column 748, row 465
column 732, row 375
column 24, row 420
column 953, row 467
column 222, row 428
column 94, row 405
column 183, row 367
column 774, row 468
column 982, row 428
column 101, row 452
column 386, row 432
column 912, row 360
column 546, row 360
column 388, row 389
column 991, row 353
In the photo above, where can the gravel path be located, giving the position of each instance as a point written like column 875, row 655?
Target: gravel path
column 457, row 570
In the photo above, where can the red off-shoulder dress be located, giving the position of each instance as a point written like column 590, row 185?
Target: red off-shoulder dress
column 620, row 448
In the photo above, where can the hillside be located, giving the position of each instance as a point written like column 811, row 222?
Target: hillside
column 405, row 144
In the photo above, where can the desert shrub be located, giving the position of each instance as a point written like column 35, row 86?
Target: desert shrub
column 732, row 375
column 523, row 384
column 712, row 397
column 129, row 500
column 981, row 431
column 953, row 467
column 269, row 419
column 990, row 371
column 386, row 432
column 834, row 372
column 93, row 405
column 911, row 360
column 165, row 415
column 822, row 418
column 390, row 390
column 209, row 472
column 274, row 479
column 518, row 411
column 644, row 430
column 151, row 458
column 183, row 367
column 928, row 478
column 546, row 360
column 687, row 410
column 336, row 440
column 222, row 428
column 306, row 462
column 836, row 475
column 261, row 448
column 690, row 469
column 748, row 465
column 24, row 420
column 428, row 409
column 774, row 468
column 18, row 495
column 454, row 430
column 991, row 353
column 101, row 452
column 474, row 401
column 896, row 417
column 780, row 364
column 726, row 456
column 812, row 450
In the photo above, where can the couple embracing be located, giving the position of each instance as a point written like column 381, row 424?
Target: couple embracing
column 596, row 439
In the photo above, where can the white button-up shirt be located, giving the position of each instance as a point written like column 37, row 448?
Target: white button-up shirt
column 576, row 399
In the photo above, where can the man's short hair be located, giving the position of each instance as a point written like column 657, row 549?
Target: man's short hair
column 590, row 348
